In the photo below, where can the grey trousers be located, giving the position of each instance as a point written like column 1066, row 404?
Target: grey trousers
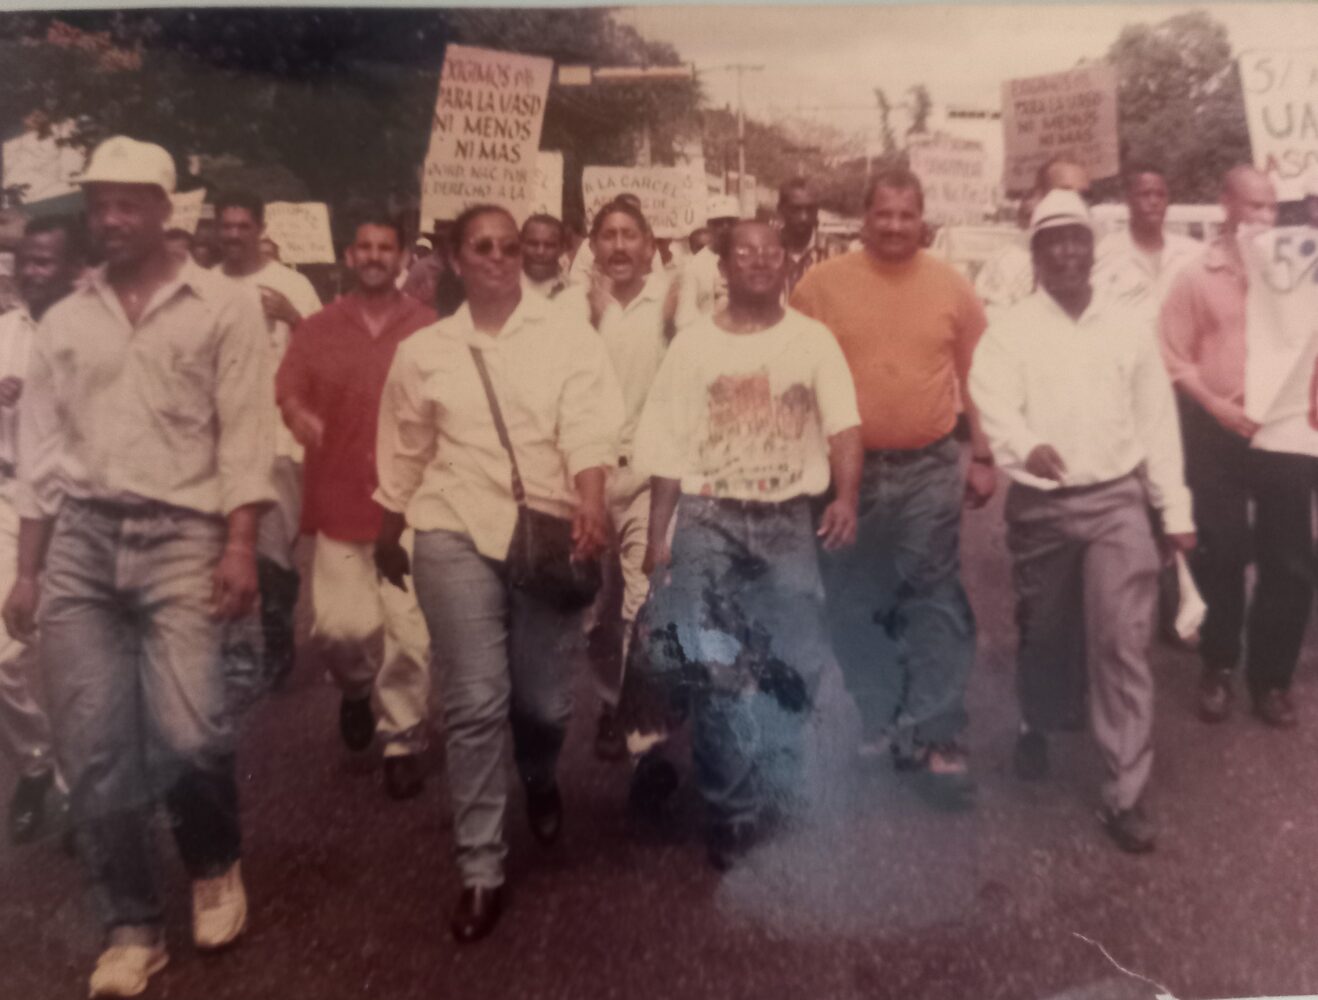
column 1088, row 555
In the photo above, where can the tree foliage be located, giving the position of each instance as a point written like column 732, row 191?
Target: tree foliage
column 1180, row 103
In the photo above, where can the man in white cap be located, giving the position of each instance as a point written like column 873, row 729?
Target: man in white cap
column 703, row 289
column 1074, row 399
column 146, row 439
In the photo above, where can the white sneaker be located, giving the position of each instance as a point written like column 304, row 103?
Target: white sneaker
column 219, row 909
column 123, row 969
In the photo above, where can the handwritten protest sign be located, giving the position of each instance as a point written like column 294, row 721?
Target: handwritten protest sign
column 955, row 175
column 485, row 132
column 1281, row 336
column 301, row 230
column 672, row 198
column 547, row 191
column 187, row 209
column 1072, row 113
column 1281, row 106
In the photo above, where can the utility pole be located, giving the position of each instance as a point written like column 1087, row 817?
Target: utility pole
column 740, row 69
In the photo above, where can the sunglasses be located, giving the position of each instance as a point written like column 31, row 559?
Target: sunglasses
column 773, row 256
column 485, row 248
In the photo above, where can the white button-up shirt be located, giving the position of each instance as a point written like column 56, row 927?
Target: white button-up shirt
column 634, row 336
column 438, row 454
column 1125, row 273
column 1095, row 389
column 176, row 408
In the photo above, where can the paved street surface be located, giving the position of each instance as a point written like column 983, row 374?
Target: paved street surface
column 877, row 894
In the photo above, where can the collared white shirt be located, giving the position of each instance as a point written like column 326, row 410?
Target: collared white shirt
column 301, row 294
column 551, row 288
column 16, row 331
column 635, row 337
column 1125, row 273
column 1095, row 389
column 438, row 454
column 177, row 408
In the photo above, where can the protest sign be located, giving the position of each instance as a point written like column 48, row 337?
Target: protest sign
column 1072, row 113
column 672, row 198
column 187, row 209
column 955, row 175
column 547, row 191
column 1281, row 337
column 485, row 132
column 301, row 230
column 1281, row 106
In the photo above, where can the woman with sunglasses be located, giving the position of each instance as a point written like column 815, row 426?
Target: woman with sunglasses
column 502, row 654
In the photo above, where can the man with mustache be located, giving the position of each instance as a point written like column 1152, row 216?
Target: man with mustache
column 632, row 307
column 328, row 389
column 1075, row 402
column 286, row 297
column 146, row 439
column 49, row 261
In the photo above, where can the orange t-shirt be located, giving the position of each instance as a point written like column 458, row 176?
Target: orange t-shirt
column 908, row 331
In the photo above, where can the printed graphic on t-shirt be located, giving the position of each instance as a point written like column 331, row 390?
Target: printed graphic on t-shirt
column 754, row 440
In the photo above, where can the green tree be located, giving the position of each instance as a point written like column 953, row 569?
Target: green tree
column 1180, row 103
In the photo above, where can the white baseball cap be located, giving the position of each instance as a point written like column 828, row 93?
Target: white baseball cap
column 1060, row 207
column 121, row 160
column 723, row 206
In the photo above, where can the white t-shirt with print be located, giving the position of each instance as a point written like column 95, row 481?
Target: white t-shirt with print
column 747, row 416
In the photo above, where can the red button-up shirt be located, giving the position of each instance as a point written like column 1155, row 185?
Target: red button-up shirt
column 335, row 368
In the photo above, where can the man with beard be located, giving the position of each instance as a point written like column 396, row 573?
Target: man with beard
column 286, row 297
column 751, row 415
column 632, row 308
column 146, row 439
column 49, row 262
column 1075, row 401
column 542, row 255
column 902, row 625
column 328, row 389
column 1137, row 264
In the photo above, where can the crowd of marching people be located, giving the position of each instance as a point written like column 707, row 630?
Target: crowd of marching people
column 713, row 473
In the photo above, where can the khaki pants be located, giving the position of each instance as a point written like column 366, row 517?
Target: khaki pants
column 374, row 639
column 609, row 622
column 24, row 726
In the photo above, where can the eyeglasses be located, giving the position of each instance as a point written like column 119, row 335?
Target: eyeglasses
column 485, row 248
column 773, row 256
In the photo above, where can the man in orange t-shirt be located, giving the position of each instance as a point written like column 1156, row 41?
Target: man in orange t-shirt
column 902, row 627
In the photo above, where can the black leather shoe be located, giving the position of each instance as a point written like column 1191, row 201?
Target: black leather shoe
column 476, row 914
column 653, row 783
column 728, row 843
column 1030, row 758
column 544, row 813
column 356, row 723
column 610, row 744
column 404, row 777
column 1131, row 828
column 1214, row 695
column 27, row 809
column 1274, row 708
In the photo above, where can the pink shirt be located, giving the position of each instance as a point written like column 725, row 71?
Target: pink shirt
column 1202, row 325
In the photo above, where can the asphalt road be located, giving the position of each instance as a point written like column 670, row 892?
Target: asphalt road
column 877, row 894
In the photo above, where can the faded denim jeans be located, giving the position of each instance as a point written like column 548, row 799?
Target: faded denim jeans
column 734, row 633
column 901, row 624
column 139, row 701
column 501, row 656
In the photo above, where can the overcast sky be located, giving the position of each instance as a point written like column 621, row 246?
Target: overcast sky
column 826, row 61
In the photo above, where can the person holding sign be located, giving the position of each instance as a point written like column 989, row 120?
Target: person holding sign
column 632, row 308
column 503, row 409
column 1204, row 345
column 286, row 297
column 328, row 389
column 751, row 417
column 1077, row 407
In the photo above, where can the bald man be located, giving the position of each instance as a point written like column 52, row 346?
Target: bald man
column 1202, row 326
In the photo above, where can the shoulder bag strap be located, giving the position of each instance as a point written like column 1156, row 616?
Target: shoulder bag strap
column 519, row 492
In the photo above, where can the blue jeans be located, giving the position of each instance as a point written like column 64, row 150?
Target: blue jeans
column 734, row 632
column 502, row 656
column 901, row 624
column 134, row 664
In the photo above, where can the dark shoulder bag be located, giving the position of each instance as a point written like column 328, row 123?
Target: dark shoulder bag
column 540, row 558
